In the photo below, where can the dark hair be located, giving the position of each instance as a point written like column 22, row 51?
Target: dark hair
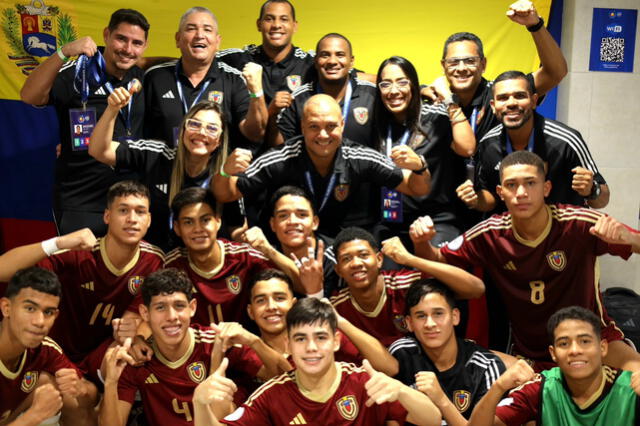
column 382, row 116
column 512, row 75
column 169, row 280
column 289, row 190
column 125, row 188
column 572, row 313
column 129, row 16
column 526, row 158
column 37, row 278
column 264, row 6
column 334, row 35
column 463, row 36
column 421, row 288
column 311, row 311
column 193, row 195
column 266, row 275
column 354, row 233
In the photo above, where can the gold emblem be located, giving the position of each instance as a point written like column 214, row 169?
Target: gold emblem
column 361, row 114
column 234, row 284
column 29, row 381
column 462, row 400
column 557, row 260
column 341, row 192
column 197, row 371
column 347, row 407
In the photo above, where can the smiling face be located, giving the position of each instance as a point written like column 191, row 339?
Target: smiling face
column 523, row 190
column 277, row 25
column 202, row 133
column 577, row 350
column 29, row 316
column 198, row 226
column 293, row 221
column 512, row 103
column 397, row 96
column 333, row 59
column 358, row 264
column 312, row 347
column 322, row 126
column 270, row 301
column 198, row 38
column 463, row 66
column 432, row 321
column 124, row 45
column 128, row 219
column 169, row 316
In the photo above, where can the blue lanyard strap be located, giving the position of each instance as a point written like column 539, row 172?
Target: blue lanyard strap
column 474, row 118
column 403, row 139
column 327, row 192
column 529, row 144
column 126, row 117
column 346, row 103
column 185, row 106
column 89, row 73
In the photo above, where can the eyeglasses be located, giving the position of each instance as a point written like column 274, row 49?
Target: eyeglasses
column 210, row 129
column 385, row 86
column 470, row 62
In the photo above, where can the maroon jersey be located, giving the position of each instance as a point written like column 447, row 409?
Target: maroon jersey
column 281, row 402
column 15, row 386
column 94, row 292
column 386, row 322
column 536, row 278
column 222, row 294
column 167, row 387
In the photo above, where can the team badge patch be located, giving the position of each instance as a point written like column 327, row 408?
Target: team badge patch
column 197, row 371
column 361, row 114
column 29, row 381
column 134, row 284
column 417, row 139
column 557, row 260
column 461, row 399
column 293, row 82
column 234, row 284
column 216, row 96
column 348, row 407
column 341, row 192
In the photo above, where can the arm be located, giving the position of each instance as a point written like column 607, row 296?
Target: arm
column 214, row 392
column 79, row 396
column 282, row 100
column 482, row 200
column 255, row 122
column 37, row 87
column 369, row 347
column 421, row 233
column 416, row 179
column 583, row 183
column 427, row 383
column 611, row 231
column 114, row 411
column 461, row 282
column 225, row 188
column 464, row 140
column 47, row 401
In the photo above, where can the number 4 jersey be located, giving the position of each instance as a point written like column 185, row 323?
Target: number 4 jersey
column 536, row 278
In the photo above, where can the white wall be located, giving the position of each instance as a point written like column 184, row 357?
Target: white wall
column 605, row 108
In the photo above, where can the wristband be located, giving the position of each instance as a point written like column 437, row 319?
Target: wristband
column 257, row 94
column 536, row 27
column 50, row 246
column 223, row 174
column 424, row 167
column 318, row 295
column 61, row 55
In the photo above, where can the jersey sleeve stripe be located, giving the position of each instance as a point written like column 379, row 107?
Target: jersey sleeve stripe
column 278, row 156
column 575, row 142
column 162, row 65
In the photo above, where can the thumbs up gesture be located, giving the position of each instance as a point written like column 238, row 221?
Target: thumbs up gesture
column 216, row 387
column 380, row 387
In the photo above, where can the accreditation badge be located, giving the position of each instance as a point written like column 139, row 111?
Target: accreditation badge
column 81, row 122
column 391, row 205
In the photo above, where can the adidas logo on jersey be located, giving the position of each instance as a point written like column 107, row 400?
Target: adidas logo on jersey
column 629, row 323
column 88, row 286
column 100, row 91
column 298, row 420
column 151, row 379
column 168, row 95
column 509, row 266
column 162, row 187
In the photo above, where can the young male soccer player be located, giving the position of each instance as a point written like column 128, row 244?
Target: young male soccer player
column 541, row 258
column 454, row 373
column 319, row 389
column 580, row 390
column 29, row 309
column 374, row 300
column 182, row 355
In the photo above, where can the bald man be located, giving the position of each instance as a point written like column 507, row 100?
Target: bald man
column 330, row 168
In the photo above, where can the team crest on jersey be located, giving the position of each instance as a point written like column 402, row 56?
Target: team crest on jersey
column 557, row 260
column 341, row 192
column 361, row 114
column 416, row 139
column 461, row 399
column 134, row 284
column 293, row 82
column 29, row 381
column 348, row 407
column 234, row 284
column 216, row 96
column 400, row 323
column 196, row 371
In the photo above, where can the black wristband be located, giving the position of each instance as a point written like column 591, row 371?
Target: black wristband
column 536, row 27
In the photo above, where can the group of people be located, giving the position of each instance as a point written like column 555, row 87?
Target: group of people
column 287, row 240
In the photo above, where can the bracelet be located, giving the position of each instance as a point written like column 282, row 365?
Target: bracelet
column 257, row 94
column 536, row 27
column 424, row 167
column 50, row 246
column 61, row 55
column 223, row 174
column 459, row 120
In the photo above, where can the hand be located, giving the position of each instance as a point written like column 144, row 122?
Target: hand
column 395, row 250
column 611, row 231
column 84, row 45
column 140, row 350
column 232, row 333
column 582, row 181
column 252, row 74
column 523, row 12
column 310, row 267
column 47, row 401
column 422, row 230
column 635, row 382
column 280, row 101
column 467, row 194
column 124, row 327
column 238, row 161
column 518, row 374
column 427, row 383
column 82, row 239
column 406, row 158
column 256, row 239
column 441, row 88
column 68, row 382
column 117, row 359
column 216, row 387
column 120, row 97
column 380, row 387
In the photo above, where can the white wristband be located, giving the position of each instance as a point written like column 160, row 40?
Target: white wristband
column 318, row 295
column 257, row 94
column 50, row 246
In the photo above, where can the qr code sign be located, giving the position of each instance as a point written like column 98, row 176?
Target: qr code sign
column 612, row 49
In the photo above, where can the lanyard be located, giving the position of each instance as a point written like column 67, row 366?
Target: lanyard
column 403, row 139
column 529, row 144
column 474, row 118
column 346, row 103
column 327, row 192
column 89, row 73
column 127, row 117
column 180, row 93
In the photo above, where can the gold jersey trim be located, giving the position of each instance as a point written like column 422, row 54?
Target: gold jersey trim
column 545, row 233
column 110, row 266
column 178, row 363
column 10, row 374
column 321, row 397
column 209, row 274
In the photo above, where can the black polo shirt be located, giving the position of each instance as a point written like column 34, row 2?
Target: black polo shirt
column 358, row 120
column 354, row 166
column 81, row 182
column 165, row 110
column 286, row 75
column 560, row 147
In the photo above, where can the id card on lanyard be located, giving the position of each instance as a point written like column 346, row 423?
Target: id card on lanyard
column 185, row 106
column 391, row 200
column 89, row 73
